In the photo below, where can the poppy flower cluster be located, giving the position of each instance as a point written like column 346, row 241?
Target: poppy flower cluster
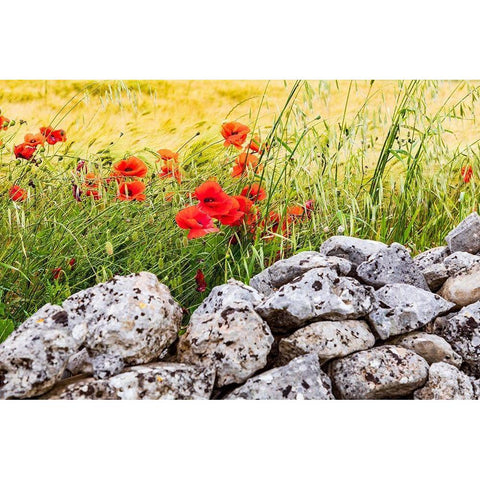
column 170, row 167
column 17, row 194
column 467, row 173
column 28, row 148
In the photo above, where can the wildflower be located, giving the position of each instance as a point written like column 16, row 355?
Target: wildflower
column 243, row 161
column 81, row 165
column 25, row 151
column 255, row 146
column 128, row 191
column 309, row 208
column 170, row 169
column 56, row 273
column 130, row 167
column 91, row 181
column 93, row 193
column 213, row 200
column 234, row 134
column 167, row 155
column 17, row 194
column 169, row 196
column 34, row 140
column 4, row 121
column 198, row 222
column 72, row 262
column 467, row 173
column 234, row 216
column 53, row 136
column 77, row 193
column 254, row 192
column 200, row 280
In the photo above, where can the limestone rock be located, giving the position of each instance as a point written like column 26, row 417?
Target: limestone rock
column 401, row 308
column 432, row 348
column 235, row 341
column 133, row 318
column 466, row 236
column 381, row 372
column 463, row 288
column 301, row 379
column 431, row 264
column 327, row 339
column 318, row 294
column 459, row 261
column 446, row 382
column 391, row 265
column 33, row 358
column 80, row 362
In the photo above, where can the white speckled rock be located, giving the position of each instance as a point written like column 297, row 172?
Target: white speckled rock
column 446, row 382
column 301, row 379
column 327, row 339
column 284, row 271
column 465, row 237
column 153, row 381
column 463, row 288
column 80, row 362
column 391, row 265
column 35, row 355
column 459, row 261
column 432, row 348
column 318, row 294
column 381, row 372
column 353, row 249
column 133, row 318
column 430, row 263
column 235, row 340
column 401, row 308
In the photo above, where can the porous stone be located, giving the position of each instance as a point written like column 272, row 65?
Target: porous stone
column 301, row 379
column 446, row 382
column 35, row 355
column 401, row 308
column 381, row 372
column 432, row 348
column 356, row 250
column 459, row 261
column 430, row 263
column 327, row 339
column 463, row 288
column 465, row 237
column 235, row 341
column 133, row 318
column 391, row 265
column 318, row 294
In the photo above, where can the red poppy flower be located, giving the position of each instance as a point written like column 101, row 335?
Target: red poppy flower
column 17, row 194
column 193, row 219
column 254, row 192
column 213, row 200
column 234, row 134
column 234, row 216
column 72, row 262
column 130, row 167
column 77, row 193
column 24, row 150
column 53, row 136
column 256, row 147
column 91, row 181
column 295, row 211
column 56, row 273
column 167, row 155
column 200, row 280
column 128, row 191
column 95, row 194
column 34, row 140
column 170, row 169
column 4, row 121
column 244, row 161
column 467, row 173
column 309, row 207
column 81, row 165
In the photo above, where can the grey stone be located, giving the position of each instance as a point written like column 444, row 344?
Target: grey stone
column 463, row 288
column 80, row 362
column 401, row 308
column 459, row 261
column 301, row 379
column 430, row 263
column 432, row 348
column 318, row 294
column 235, row 341
column 391, row 265
column 327, row 339
column 446, row 382
column 133, row 318
column 262, row 283
column 381, row 372
column 105, row 365
column 466, row 236
column 33, row 358
column 353, row 249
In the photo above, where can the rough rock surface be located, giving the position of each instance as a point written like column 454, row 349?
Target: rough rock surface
column 381, row 372
column 301, row 379
column 235, row 340
column 431, row 264
column 80, row 362
column 459, row 261
column 318, row 294
column 432, row 348
column 463, row 288
column 446, row 382
column 284, row 271
column 327, row 339
column 391, row 265
column 154, row 381
column 465, row 237
column 353, row 249
column 33, row 358
column 401, row 308
column 133, row 318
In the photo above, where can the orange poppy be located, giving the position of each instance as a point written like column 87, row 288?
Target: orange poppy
column 170, row 169
column 25, row 151
column 91, row 181
column 53, row 136
column 130, row 167
column 213, row 200
column 198, row 223
column 256, row 146
column 167, row 155
column 128, row 191
column 234, row 216
column 467, row 173
column 243, row 161
column 17, row 194
column 4, row 121
column 234, row 134
column 34, row 140
column 254, row 192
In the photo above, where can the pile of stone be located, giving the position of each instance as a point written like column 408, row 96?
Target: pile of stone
column 357, row 320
